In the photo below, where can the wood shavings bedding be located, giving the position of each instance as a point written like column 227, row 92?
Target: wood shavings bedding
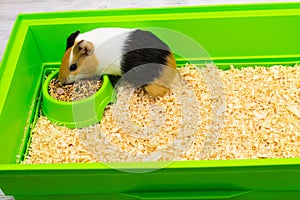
column 56, row 144
column 211, row 114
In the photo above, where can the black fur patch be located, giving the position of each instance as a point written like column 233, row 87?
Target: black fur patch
column 71, row 39
column 145, row 52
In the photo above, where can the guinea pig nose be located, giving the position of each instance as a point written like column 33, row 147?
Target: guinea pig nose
column 61, row 80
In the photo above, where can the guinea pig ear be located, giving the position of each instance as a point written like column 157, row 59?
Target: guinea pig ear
column 84, row 48
column 71, row 39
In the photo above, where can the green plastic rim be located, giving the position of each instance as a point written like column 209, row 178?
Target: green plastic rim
column 77, row 114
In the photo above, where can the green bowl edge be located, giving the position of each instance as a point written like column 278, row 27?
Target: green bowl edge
column 106, row 85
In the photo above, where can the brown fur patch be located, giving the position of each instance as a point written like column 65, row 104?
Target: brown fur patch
column 88, row 67
column 83, row 57
column 161, row 85
column 64, row 67
column 156, row 90
column 84, row 48
column 171, row 62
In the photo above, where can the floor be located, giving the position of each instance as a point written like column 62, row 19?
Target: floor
column 11, row 8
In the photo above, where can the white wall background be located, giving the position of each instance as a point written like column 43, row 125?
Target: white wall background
column 9, row 9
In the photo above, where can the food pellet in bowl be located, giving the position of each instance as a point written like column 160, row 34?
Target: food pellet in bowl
column 74, row 92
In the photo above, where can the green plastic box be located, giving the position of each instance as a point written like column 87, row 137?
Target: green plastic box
column 231, row 34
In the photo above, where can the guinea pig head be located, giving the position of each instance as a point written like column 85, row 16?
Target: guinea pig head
column 78, row 62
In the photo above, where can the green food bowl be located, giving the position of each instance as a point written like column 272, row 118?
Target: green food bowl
column 79, row 113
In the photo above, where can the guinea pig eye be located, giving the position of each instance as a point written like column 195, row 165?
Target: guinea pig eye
column 73, row 67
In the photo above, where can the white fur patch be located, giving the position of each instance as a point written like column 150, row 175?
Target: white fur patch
column 71, row 57
column 108, row 43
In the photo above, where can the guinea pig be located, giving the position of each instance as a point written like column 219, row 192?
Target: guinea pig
column 146, row 60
